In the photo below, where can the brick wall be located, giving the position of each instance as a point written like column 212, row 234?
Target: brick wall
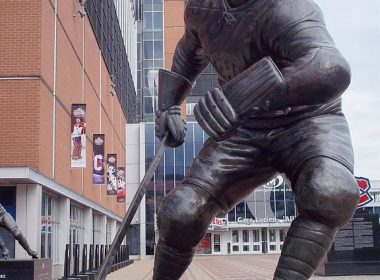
column 20, row 36
column 27, row 105
column 174, row 28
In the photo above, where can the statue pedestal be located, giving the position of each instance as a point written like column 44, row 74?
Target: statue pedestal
column 356, row 249
column 26, row 269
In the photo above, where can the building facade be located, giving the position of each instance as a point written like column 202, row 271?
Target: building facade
column 55, row 54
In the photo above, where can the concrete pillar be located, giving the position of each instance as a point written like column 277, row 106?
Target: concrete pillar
column 63, row 235
column 135, row 171
column 28, row 216
column 103, row 229
column 113, row 229
column 87, row 226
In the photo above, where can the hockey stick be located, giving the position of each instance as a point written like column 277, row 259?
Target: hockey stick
column 106, row 265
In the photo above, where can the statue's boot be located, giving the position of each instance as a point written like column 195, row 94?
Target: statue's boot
column 170, row 263
column 306, row 244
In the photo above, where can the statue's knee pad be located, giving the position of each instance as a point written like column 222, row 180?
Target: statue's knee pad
column 327, row 192
column 184, row 216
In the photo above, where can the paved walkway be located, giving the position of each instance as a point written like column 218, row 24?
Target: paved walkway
column 257, row 267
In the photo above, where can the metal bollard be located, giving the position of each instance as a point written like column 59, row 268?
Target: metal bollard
column 67, row 263
column 97, row 256
column 91, row 258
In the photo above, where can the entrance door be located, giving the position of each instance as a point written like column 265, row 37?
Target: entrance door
column 216, row 243
column 275, row 240
column 246, row 241
column 256, row 241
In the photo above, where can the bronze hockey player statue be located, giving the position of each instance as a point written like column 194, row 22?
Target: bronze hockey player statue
column 279, row 110
column 8, row 223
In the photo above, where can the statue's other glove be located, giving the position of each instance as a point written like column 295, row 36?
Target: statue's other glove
column 170, row 120
column 215, row 115
column 220, row 111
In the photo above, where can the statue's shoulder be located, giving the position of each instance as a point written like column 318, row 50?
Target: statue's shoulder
column 199, row 11
column 293, row 9
column 282, row 14
column 203, row 4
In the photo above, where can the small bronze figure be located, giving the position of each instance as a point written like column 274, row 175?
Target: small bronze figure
column 279, row 110
column 4, row 249
column 7, row 222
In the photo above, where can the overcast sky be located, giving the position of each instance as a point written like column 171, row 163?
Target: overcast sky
column 355, row 27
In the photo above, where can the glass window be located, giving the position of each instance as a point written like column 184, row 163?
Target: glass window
column 245, row 248
column 48, row 227
column 216, row 242
column 235, row 248
column 235, row 236
column 189, row 154
column 157, row 21
column 158, row 50
column 256, row 235
column 148, row 105
column 190, row 108
column 232, row 215
column 148, row 49
column 76, row 228
column 272, row 235
column 245, row 236
column 148, row 21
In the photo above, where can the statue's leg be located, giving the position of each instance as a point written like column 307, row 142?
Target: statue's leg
column 326, row 196
column 11, row 226
column 4, row 248
column 184, row 216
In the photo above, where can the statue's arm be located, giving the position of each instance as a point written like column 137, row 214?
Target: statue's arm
column 314, row 70
column 189, row 58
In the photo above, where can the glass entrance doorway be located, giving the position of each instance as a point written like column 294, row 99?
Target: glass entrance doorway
column 273, row 240
column 246, row 241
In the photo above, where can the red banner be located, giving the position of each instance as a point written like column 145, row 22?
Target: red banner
column 121, row 184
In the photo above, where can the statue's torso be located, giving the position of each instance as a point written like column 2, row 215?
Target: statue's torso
column 230, row 38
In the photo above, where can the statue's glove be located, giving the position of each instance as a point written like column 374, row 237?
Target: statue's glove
column 215, row 115
column 170, row 120
column 33, row 254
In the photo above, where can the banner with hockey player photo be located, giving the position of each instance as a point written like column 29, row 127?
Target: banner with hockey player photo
column 111, row 174
column 98, row 177
column 78, row 135
column 121, row 184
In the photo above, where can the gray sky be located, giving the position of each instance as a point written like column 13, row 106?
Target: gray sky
column 355, row 27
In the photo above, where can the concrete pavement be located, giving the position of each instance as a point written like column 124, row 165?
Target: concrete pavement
column 242, row 267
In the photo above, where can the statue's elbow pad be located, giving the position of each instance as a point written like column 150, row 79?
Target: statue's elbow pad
column 334, row 73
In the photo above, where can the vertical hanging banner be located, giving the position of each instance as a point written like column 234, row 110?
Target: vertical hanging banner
column 98, row 159
column 121, row 184
column 111, row 174
column 78, row 135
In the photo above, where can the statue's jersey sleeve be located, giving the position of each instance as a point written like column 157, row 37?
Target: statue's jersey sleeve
column 295, row 36
column 189, row 57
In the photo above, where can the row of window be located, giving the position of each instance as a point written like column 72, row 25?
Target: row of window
column 50, row 227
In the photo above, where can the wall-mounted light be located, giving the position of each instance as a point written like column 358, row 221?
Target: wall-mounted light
column 79, row 7
column 112, row 85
